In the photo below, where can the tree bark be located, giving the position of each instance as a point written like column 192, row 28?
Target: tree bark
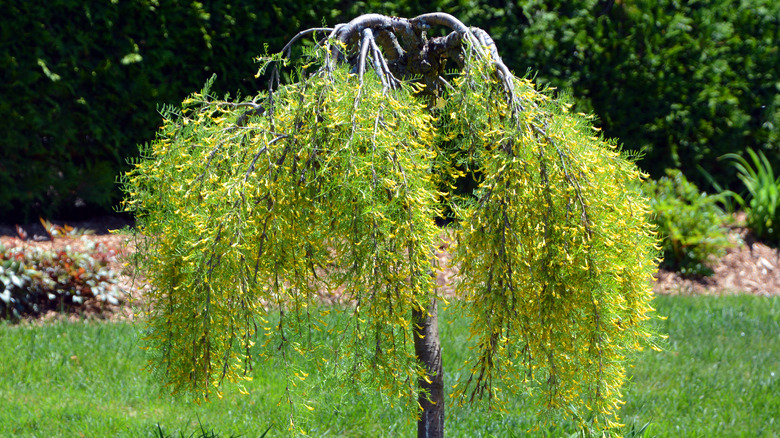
column 427, row 347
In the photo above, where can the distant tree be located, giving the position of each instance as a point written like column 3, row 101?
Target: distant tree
column 251, row 208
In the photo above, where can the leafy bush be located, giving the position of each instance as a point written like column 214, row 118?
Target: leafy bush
column 690, row 222
column 37, row 279
column 763, row 208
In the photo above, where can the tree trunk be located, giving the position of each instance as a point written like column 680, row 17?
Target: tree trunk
column 427, row 347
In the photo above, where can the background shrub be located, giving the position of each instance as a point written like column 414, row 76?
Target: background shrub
column 690, row 222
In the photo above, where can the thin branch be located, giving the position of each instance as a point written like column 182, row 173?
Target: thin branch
column 487, row 43
column 446, row 83
column 288, row 48
column 330, row 64
column 380, row 64
column 260, row 152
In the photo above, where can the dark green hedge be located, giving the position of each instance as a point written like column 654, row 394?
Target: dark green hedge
column 684, row 82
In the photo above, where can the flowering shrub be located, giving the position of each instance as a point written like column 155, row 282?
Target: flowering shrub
column 35, row 279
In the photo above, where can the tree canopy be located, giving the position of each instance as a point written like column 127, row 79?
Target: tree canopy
column 252, row 209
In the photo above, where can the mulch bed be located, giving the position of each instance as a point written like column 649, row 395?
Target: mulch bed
column 748, row 267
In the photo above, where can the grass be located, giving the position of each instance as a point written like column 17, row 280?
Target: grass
column 720, row 373
column 719, row 376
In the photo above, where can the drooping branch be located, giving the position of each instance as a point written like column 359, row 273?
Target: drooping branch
column 368, row 36
column 400, row 48
column 287, row 49
column 381, row 67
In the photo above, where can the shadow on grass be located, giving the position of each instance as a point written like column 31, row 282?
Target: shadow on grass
column 202, row 433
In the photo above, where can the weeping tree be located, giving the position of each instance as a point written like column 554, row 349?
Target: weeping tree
column 330, row 184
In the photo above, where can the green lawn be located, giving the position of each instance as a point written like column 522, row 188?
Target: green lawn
column 720, row 373
column 719, row 377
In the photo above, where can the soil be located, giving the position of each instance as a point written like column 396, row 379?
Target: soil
column 748, row 267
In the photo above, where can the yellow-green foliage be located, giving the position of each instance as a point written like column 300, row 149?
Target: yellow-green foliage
column 556, row 252
column 337, row 184
column 241, row 219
